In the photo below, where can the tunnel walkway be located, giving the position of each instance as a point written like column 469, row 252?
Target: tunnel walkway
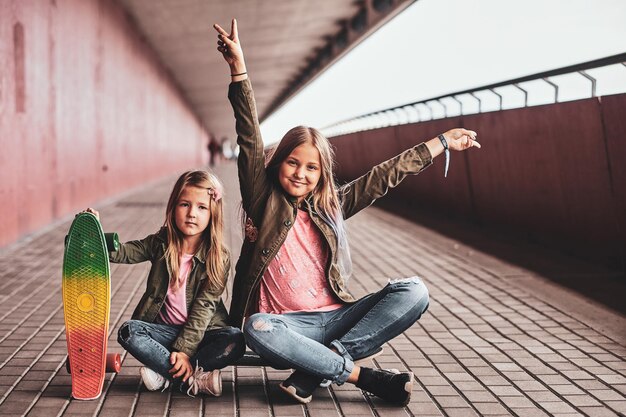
column 497, row 340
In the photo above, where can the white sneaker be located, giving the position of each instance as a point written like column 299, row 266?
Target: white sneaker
column 205, row 382
column 152, row 380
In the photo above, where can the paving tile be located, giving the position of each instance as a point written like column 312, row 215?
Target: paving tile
column 491, row 409
column 566, row 389
column 516, row 401
column 460, row 412
column 452, row 401
column 583, row 401
column 607, row 395
column 598, row 412
column 556, row 406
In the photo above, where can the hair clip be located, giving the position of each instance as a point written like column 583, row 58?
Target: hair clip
column 215, row 193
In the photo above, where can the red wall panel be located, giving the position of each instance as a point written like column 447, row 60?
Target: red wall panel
column 544, row 171
column 614, row 118
column 449, row 195
column 86, row 111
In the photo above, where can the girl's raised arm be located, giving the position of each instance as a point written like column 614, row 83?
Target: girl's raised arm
column 251, row 160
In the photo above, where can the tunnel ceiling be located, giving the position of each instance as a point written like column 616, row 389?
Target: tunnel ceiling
column 287, row 44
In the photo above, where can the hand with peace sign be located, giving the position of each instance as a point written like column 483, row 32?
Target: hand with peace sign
column 228, row 44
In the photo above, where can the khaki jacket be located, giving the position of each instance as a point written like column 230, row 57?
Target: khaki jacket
column 271, row 213
column 205, row 310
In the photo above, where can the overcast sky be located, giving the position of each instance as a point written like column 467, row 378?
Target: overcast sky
column 442, row 46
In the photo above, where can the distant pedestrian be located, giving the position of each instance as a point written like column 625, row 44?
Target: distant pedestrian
column 291, row 280
column 214, row 151
column 180, row 321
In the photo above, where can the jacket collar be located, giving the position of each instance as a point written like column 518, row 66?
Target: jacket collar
column 162, row 237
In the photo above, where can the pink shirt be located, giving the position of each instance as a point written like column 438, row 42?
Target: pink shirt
column 295, row 279
column 174, row 310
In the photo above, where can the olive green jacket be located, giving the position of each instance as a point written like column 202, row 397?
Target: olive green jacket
column 205, row 309
column 271, row 213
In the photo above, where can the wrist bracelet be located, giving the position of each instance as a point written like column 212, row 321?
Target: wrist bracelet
column 236, row 75
column 444, row 142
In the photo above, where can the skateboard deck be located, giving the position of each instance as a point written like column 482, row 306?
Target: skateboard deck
column 251, row 358
column 86, row 305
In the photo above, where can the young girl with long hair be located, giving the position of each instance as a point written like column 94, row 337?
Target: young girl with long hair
column 291, row 279
column 180, row 321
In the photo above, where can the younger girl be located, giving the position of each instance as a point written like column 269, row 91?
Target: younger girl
column 180, row 320
column 290, row 280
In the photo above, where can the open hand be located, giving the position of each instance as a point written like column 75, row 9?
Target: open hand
column 460, row 139
column 181, row 366
column 230, row 47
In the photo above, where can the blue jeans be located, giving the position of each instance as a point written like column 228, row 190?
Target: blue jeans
column 150, row 344
column 303, row 340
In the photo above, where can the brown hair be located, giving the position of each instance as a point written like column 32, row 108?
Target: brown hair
column 324, row 196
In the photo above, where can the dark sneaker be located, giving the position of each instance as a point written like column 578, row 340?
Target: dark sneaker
column 393, row 387
column 300, row 386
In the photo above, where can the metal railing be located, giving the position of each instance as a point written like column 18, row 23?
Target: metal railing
column 555, row 86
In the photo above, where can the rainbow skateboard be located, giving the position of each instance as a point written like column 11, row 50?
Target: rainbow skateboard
column 86, row 305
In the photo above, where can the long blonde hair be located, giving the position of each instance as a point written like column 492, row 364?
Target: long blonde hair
column 325, row 196
column 213, row 236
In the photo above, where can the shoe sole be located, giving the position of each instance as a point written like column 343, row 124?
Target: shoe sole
column 291, row 391
column 408, row 387
column 218, row 377
column 143, row 380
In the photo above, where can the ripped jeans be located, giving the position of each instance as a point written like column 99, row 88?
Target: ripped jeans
column 303, row 340
column 150, row 344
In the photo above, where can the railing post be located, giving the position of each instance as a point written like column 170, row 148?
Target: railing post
column 593, row 82
column 525, row 94
column 556, row 89
column 480, row 103
column 460, row 103
column 499, row 98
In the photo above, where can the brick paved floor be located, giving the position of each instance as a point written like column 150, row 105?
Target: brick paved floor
column 498, row 339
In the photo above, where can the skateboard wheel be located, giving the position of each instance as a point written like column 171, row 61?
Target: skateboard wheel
column 113, row 242
column 114, row 362
column 67, row 237
column 68, row 368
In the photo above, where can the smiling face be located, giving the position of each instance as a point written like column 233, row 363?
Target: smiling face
column 300, row 172
column 192, row 214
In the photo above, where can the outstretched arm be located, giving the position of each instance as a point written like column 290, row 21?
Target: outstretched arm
column 131, row 252
column 366, row 189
